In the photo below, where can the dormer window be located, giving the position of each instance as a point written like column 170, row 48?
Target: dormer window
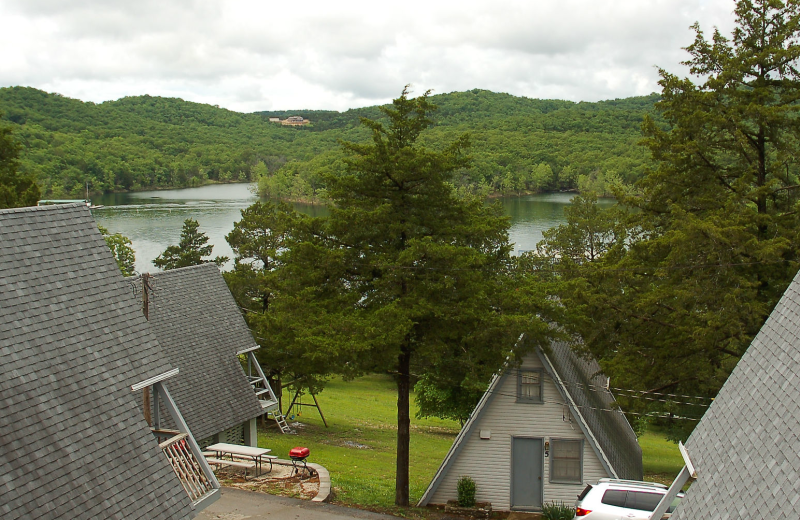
column 529, row 386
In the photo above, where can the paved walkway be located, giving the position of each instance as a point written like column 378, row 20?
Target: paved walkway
column 237, row 504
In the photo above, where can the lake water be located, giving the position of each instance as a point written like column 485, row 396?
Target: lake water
column 153, row 219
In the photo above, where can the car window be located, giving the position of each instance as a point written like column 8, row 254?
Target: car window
column 614, row 497
column 585, row 492
column 674, row 504
column 643, row 501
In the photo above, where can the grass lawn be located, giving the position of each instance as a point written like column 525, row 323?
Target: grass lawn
column 661, row 458
column 358, row 448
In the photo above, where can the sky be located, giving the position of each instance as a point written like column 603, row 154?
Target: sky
column 253, row 55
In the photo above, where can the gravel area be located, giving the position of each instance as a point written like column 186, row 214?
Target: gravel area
column 282, row 481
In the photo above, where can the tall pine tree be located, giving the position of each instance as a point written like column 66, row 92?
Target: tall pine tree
column 192, row 249
column 712, row 243
column 427, row 269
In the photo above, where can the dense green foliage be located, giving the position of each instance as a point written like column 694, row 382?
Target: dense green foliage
column 277, row 280
column 692, row 263
column 466, row 488
column 192, row 249
column 120, row 247
column 143, row 142
column 16, row 189
column 519, row 144
column 446, row 399
column 557, row 511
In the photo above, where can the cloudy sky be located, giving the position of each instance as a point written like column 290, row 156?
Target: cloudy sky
column 250, row 55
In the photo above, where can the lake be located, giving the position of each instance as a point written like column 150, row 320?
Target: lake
column 153, row 219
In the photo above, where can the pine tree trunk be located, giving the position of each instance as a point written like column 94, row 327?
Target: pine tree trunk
column 403, row 426
column 761, row 179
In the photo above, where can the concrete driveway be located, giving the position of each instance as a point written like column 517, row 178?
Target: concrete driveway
column 236, row 504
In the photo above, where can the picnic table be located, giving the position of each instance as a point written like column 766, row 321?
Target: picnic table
column 257, row 455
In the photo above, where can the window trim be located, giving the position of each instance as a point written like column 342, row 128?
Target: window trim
column 529, row 400
column 553, row 458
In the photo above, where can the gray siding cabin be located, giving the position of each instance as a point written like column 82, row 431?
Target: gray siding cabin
column 540, row 433
column 746, row 449
column 75, row 354
column 199, row 326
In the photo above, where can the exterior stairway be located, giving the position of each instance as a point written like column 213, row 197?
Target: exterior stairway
column 260, row 384
column 264, row 393
column 281, row 420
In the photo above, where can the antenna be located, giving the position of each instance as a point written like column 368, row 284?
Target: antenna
column 146, row 310
column 146, row 295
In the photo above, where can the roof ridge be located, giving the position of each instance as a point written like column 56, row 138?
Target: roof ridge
column 179, row 270
column 53, row 207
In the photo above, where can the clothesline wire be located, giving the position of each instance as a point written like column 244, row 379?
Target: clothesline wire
column 644, row 394
column 153, row 290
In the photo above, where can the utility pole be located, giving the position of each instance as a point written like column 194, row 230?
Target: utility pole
column 146, row 309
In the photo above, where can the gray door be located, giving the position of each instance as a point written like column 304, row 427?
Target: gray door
column 526, row 473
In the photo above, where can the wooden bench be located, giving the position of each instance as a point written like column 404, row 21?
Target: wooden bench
column 209, row 455
column 269, row 458
column 240, row 454
column 234, row 463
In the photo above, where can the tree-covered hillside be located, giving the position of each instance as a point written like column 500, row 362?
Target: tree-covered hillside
column 519, row 144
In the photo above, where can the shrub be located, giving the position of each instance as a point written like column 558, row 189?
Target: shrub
column 557, row 511
column 466, row 492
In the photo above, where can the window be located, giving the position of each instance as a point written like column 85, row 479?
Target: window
column 643, row 501
column 632, row 499
column 614, row 497
column 566, row 461
column 529, row 386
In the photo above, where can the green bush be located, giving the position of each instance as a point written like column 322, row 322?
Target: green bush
column 557, row 511
column 466, row 492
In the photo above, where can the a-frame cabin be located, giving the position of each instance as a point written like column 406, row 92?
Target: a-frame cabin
column 540, row 433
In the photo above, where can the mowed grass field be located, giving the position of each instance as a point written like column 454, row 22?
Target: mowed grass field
column 358, row 447
column 661, row 458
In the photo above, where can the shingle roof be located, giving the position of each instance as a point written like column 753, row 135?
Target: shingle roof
column 73, row 441
column 583, row 380
column 198, row 323
column 746, row 449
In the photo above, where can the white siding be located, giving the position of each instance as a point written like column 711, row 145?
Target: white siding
column 488, row 462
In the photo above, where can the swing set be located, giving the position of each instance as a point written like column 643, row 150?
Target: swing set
column 298, row 402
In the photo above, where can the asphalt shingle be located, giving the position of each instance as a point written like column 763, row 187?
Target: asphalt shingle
column 586, row 384
column 200, row 327
column 746, row 449
column 74, row 442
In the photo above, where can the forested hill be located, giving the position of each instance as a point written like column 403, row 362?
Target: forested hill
column 519, row 144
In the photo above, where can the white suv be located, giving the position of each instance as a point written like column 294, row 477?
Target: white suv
column 612, row 499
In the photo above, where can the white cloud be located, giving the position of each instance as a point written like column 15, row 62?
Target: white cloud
column 249, row 55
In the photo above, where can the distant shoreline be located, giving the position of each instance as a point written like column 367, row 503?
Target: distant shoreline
column 166, row 188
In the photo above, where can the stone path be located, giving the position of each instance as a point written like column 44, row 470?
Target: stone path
column 236, row 504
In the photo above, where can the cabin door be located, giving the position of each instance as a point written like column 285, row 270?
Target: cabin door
column 526, row 473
